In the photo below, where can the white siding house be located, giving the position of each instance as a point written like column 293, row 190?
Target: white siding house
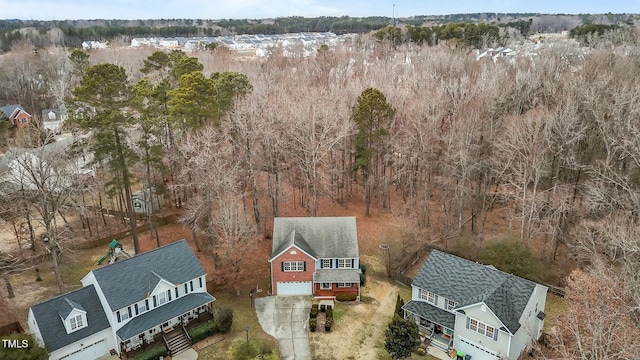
column 117, row 312
column 475, row 309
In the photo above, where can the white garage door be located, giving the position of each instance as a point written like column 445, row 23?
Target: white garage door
column 92, row 351
column 294, row 288
column 476, row 351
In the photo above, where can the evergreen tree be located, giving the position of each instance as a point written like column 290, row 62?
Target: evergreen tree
column 401, row 338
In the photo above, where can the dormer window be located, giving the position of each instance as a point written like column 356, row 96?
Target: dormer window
column 76, row 322
column 162, row 298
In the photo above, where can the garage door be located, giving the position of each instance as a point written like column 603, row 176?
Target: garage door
column 476, row 351
column 92, row 351
column 294, row 288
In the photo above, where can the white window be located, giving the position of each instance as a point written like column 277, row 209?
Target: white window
column 325, row 286
column 428, row 296
column 162, row 298
column 344, row 285
column 482, row 328
column 124, row 315
column 326, row 263
column 142, row 307
column 76, row 322
column 293, row 266
column 344, row 263
column 451, row 304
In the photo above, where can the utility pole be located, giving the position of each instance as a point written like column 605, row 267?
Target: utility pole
column 393, row 16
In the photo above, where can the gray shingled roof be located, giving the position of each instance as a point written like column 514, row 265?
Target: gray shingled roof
column 431, row 313
column 9, row 109
column 67, row 307
column 321, row 237
column 336, row 275
column 469, row 283
column 162, row 314
column 51, row 326
column 126, row 282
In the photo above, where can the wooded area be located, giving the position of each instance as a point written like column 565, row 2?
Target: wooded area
column 431, row 135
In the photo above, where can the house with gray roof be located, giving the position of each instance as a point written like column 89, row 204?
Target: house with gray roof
column 475, row 309
column 127, row 305
column 315, row 256
column 16, row 114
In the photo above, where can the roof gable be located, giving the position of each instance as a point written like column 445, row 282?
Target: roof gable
column 469, row 283
column 126, row 282
column 51, row 325
column 10, row 110
column 320, row 237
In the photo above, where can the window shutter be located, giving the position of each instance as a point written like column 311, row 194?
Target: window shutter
column 136, row 307
column 495, row 334
column 321, row 264
column 436, row 299
column 129, row 310
column 185, row 289
column 468, row 321
column 353, row 263
column 177, row 294
column 118, row 315
column 282, row 266
column 155, row 302
column 304, row 266
column 191, row 285
column 169, row 292
column 200, row 281
column 146, row 302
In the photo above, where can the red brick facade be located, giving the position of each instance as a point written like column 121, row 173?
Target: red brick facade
column 278, row 275
column 21, row 119
column 335, row 290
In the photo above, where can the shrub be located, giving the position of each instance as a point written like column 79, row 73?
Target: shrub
column 363, row 268
column 314, row 306
column 363, row 279
column 202, row 331
column 313, row 324
column 224, row 318
column 513, row 256
column 330, row 313
column 240, row 350
column 152, row 353
column 328, row 323
column 313, row 313
column 346, row 297
column 323, row 308
column 329, row 307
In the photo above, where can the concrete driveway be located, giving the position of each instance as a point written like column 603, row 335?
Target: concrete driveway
column 287, row 318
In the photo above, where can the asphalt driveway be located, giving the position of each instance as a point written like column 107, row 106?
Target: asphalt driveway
column 287, row 318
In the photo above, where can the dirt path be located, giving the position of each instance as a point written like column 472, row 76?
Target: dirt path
column 360, row 333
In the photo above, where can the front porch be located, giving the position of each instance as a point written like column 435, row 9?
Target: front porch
column 436, row 325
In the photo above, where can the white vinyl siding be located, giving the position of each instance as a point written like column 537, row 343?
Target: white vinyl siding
column 482, row 328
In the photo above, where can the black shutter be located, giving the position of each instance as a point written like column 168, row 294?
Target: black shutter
column 169, row 292
column 282, row 266
column 191, row 285
column 177, row 295
column 129, row 310
column 155, row 302
column 353, row 263
column 136, row 307
column 118, row 315
column 200, row 281
column 185, row 289
column 146, row 302
column 304, row 266
column 321, row 264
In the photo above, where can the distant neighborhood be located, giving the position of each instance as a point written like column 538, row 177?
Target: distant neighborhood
column 309, row 42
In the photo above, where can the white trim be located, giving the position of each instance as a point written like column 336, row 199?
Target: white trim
column 345, row 284
column 323, row 287
column 322, row 264
column 285, row 250
column 492, row 313
column 426, row 298
column 481, row 325
column 298, row 268
column 350, row 260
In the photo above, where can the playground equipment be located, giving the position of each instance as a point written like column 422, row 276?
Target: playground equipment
column 115, row 252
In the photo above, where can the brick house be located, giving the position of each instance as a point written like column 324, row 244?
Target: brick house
column 315, row 256
column 16, row 114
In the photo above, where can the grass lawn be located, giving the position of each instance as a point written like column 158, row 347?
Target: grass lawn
column 243, row 316
column 554, row 307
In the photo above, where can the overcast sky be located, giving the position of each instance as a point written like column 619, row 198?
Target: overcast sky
column 256, row 9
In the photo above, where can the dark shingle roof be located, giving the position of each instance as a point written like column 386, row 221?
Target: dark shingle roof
column 321, row 237
column 126, row 282
column 431, row 313
column 468, row 283
column 337, row 275
column 162, row 314
column 47, row 315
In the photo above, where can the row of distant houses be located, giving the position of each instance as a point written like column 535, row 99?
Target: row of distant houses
column 52, row 119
